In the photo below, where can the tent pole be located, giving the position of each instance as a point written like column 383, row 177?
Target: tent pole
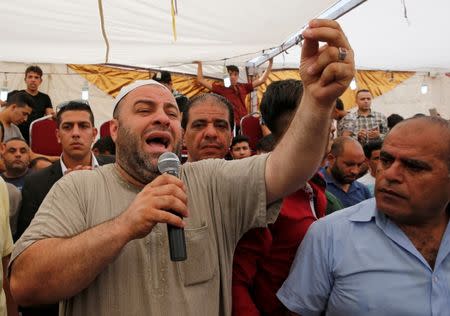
column 334, row 12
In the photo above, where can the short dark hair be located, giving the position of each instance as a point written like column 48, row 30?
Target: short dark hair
column 182, row 102
column 232, row 68
column 20, row 98
column 162, row 76
column 34, row 68
column 266, row 144
column 105, row 144
column 280, row 97
column 73, row 106
column 339, row 104
column 362, row 90
column 203, row 97
column 371, row 146
column 393, row 120
column 239, row 139
column 16, row 138
column 338, row 145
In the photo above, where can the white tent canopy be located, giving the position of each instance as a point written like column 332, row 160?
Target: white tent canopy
column 397, row 35
column 139, row 32
column 385, row 34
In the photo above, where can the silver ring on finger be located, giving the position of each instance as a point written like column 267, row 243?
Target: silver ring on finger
column 342, row 53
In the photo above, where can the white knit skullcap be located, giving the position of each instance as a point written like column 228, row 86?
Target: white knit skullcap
column 127, row 89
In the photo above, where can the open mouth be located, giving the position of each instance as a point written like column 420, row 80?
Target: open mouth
column 159, row 141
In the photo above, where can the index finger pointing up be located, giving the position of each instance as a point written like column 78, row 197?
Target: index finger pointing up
column 328, row 31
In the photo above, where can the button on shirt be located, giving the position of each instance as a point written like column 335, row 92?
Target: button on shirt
column 358, row 262
column 356, row 193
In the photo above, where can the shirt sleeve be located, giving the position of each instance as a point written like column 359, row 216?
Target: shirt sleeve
column 348, row 124
column 28, row 207
column 4, row 215
column 48, row 103
column 217, row 88
column 340, row 127
column 249, row 210
column 236, row 193
column 61, row 214
column 248, row 87
column 309, row 284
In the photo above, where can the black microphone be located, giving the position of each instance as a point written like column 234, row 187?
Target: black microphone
column 169, row 163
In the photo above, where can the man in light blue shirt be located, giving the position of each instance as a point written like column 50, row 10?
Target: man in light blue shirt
column 389, row 255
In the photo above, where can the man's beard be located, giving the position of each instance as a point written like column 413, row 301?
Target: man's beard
column 339, row 176
column 137, row 163
column 16, row 169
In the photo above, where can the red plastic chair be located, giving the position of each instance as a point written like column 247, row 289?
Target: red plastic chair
column 104, row 129
column 43, row 137
column 251, row 127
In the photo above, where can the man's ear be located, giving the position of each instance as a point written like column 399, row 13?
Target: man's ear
column 114, row 129
column 331, row 158
column 94, row 134
column 58, row 138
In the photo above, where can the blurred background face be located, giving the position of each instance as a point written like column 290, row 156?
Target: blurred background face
column 208, row 131
column 234, row 77
column 33, row 81
column 16, row 156
column 20, row 114
column 364, row 101
column 241, row 150
column 373, row 161
column 346, row 167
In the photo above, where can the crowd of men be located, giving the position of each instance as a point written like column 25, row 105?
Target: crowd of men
column 90, row 230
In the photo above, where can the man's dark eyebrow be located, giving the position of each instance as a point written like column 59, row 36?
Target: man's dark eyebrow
column 416, row 163
column 221, row 121
column 407, row 161
column 145, row 101
column 199, row 121
column 150, row 102
column 169, row 104
column 386, row 155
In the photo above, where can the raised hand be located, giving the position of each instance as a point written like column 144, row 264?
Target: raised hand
column 327, row 71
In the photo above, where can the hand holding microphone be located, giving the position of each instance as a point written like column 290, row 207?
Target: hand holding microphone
column 169, row 163
column 163, row 200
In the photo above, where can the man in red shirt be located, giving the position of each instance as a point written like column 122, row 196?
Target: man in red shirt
column 263, row 256
column 236, row 92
